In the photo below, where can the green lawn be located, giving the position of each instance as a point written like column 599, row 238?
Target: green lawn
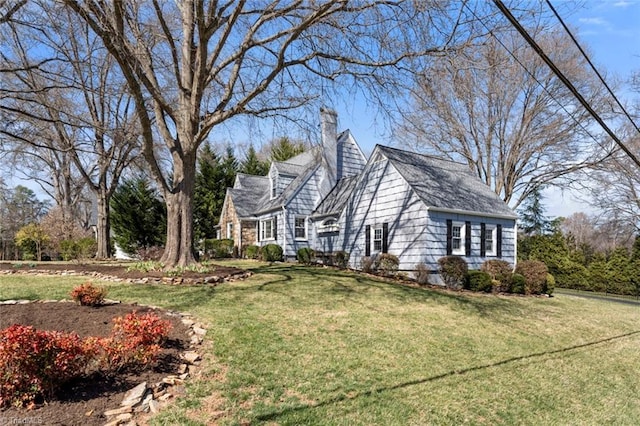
column 296, row 345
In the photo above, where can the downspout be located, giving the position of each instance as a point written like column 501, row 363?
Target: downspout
column 284, row 232
column 515, row 244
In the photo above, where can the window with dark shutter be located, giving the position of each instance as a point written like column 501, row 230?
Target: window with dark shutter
column 385, row 237
column 449, row 237
column 467, row 239
column 367, row 240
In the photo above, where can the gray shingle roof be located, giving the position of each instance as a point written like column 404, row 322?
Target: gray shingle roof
column 443, row 184
column 247, row 197
column 335, row 201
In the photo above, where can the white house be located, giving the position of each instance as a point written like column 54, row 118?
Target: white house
column 417, row 207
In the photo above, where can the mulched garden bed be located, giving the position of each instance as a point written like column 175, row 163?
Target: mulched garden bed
column 84, row 402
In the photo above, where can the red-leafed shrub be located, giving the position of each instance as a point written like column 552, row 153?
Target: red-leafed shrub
column 134, row 342
column 33, row 363
column 88, row 295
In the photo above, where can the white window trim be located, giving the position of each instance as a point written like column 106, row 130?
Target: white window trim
column 230, row 230
column 374, row 239
column 295, row 228
column 460, row 251
column 274, row 187
column 263, row 237
column 491, row 230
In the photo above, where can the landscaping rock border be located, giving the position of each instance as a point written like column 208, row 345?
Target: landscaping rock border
column 145, row 397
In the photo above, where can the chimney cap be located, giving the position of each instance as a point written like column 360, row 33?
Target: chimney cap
column 325, row 110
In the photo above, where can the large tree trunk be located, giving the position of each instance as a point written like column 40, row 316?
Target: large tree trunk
column 179, row 250
column 103, row 227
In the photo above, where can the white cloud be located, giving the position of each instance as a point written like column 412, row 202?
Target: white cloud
column 622, row 3
column 593, row 21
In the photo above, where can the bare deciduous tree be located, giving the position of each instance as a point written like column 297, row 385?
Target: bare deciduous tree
column 72, row 114
column 193, row 65
column 517, row 129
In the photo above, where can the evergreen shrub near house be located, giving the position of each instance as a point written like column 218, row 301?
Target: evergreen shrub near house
column 252, row 252
column 271, row 253
column 305, row 255
column 422, row 273
column 453, row 270
column 341, row 259
column 217, row 249
column 535, row 274
column 479, row 281
column 387, row 264
column 518, row 283
column 550, row 284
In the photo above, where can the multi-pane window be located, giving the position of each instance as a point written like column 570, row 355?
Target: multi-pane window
column 377, row 239
column 267, row 230
column 490, row 240
column 457, row 238
column 230, row 230
column 300, row 228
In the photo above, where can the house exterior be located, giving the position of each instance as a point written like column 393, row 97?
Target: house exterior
column 416, row 207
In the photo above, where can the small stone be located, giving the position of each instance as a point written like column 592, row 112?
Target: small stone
column 154, row 407
column 199, row 331
column 144, row 405
column 182, row 368
column 188, row 322
column 117, row 411
column 135, row 395
column 183, row 376
column 10, row 302
column 195, row 340
column 165, row 397
column 190, row 356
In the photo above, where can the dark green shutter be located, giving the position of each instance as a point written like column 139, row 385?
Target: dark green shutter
column 449, row 237
column 499, row 241
column 483, row 242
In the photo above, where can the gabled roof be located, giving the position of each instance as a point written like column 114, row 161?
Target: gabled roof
column 266, row 204
column 247, row 194
column 297, row 165
column 446, row 185
column 335, row 201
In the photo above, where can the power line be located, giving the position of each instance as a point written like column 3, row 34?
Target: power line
column 505, row 11
column 524, row 67
column 591, row 64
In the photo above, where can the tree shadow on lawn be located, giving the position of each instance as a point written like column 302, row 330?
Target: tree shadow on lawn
column 285, row 411
column 355, row 285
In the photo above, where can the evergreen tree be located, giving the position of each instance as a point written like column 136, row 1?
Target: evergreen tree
column 532, row 218
column 253, row 165
column 138, row 216
column 284, row 148
column 213, row 178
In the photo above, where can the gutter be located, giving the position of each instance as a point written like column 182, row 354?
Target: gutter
column 472, row 213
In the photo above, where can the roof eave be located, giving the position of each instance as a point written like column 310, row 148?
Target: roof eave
column 473, row 213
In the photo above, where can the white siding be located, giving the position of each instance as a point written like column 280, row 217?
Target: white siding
column 351, row 161
column 302, row 204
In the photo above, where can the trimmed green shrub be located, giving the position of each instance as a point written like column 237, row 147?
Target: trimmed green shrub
column 422, row 273
column 252, row 252
column 82, row 248
column 453, row 270
column 535, row 274
column 305, row 255
column 387, row 264
column 518, row 283
column 479, row 281
column 218, row 249
column 271, row 253
column 550, row 284
column 341, row 259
